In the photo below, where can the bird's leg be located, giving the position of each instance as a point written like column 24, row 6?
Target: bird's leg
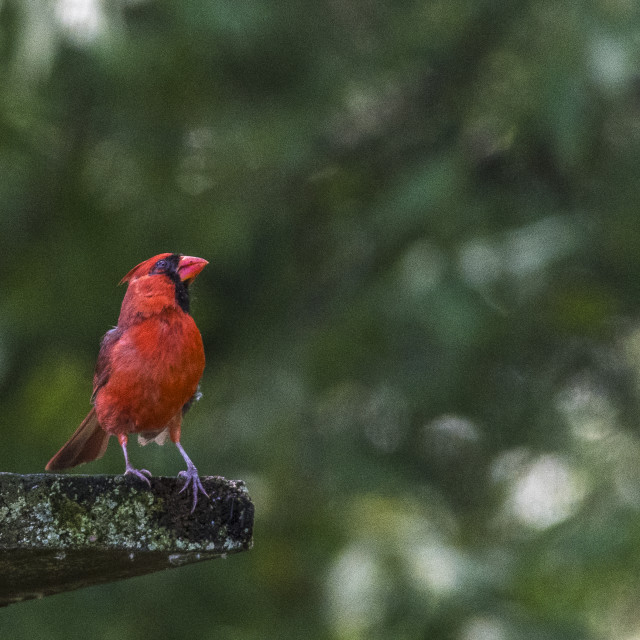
column 191, row 478
column 129, row 470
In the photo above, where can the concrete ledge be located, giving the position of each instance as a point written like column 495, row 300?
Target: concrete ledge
column 63, row 532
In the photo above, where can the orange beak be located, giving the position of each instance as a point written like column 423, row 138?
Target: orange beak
column 189, row 267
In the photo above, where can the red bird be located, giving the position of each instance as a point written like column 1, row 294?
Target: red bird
column 148, row 369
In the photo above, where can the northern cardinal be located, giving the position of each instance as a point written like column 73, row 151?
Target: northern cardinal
column 148, row 369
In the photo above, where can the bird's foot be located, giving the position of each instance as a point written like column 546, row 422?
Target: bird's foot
column 192, row 478
column 141, row 474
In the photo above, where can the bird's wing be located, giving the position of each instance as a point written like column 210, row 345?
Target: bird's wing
column 103, row 365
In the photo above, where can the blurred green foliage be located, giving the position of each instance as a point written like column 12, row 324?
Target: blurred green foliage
column 420, row 316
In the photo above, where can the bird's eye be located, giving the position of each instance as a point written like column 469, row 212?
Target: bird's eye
column 161, row 264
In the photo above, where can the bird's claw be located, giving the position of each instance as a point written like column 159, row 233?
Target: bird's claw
column 192, row 478
column 141, row 474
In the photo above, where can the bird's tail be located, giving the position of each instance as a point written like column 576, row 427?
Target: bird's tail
column 89, row 442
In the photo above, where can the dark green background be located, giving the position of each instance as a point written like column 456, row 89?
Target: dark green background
column 421, row 313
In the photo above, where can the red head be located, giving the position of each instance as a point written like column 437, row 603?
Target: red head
column 187, row 267
column 158, row 283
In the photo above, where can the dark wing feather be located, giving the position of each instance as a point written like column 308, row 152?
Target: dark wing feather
column 103, row 365
column 89, row 441
column 194, row 398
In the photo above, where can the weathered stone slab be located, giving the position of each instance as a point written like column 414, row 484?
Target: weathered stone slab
column 63, row 532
